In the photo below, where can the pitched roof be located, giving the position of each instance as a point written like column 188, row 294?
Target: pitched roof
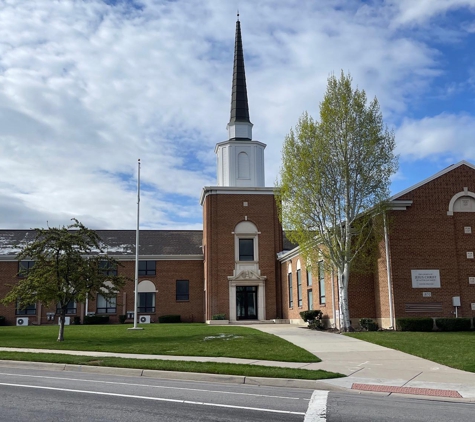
column 121, row 242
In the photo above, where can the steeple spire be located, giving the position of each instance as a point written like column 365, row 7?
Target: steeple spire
column 239, row 126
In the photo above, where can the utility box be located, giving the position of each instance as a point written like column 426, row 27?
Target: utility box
column 456, row 301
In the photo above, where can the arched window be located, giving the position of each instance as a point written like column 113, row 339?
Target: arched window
column 246, row 245
column 147, row 291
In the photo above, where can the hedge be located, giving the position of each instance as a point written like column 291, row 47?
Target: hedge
column 96, row 319
column 415, row 324
column 453, row 324
column 169, row 319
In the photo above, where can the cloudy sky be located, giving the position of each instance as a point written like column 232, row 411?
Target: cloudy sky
column 89, row 86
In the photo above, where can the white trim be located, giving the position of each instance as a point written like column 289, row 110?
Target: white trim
column 435, row 176
column 459, row 195
column 234, row 190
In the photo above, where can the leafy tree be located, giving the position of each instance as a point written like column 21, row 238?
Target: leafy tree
column 335, row 179
column 69, row 265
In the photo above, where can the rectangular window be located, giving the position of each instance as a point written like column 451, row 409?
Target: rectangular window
column 299, row 288
column 28, row 310
column 309, row 276
column 182, row 290
column 71, row 308
column 24, row 267
column 246, row 249
column 321, row 283
column 146, row 302
column 291, row 298
column 106, row 305
column 310, row 299
column 106, row 268
column 146, row 267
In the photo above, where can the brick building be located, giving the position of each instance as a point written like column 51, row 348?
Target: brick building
column 241, row 266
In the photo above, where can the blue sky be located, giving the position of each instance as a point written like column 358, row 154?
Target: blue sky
column 87, row 87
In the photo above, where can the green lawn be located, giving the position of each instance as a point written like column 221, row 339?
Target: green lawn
column 160, row 339
column 173, row 365
column 456, row 349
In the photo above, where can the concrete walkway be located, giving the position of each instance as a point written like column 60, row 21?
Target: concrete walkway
column 368, row 367
column 371, row 367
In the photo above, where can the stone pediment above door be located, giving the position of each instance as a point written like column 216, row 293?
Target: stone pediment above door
column 247, row 275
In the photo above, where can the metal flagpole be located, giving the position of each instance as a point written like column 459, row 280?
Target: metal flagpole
column 137, row 245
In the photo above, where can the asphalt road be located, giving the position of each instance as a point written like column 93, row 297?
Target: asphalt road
column 27, row 395
column 39, row 395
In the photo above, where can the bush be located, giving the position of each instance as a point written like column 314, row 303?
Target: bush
column 314, row 318
column 218, row 317
column 453, row 324
column 96, row 319
column 77, row 320
column 415, row 324
column 2, row 320
column 169, row 319
column 368, row 324
column 122, row 318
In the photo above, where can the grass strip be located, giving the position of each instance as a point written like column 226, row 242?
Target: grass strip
column 160, row 339
column 174, row 365
column 454, row 349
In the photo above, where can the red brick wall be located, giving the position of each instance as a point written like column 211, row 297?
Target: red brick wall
column 221, row 214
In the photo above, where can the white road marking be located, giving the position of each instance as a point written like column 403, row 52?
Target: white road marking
column 150, row 386
column 100, row 393
column 317, row 408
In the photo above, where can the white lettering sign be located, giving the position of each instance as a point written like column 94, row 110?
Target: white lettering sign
column 425, row 279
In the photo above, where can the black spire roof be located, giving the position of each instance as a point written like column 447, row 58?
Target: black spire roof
column 239, row 105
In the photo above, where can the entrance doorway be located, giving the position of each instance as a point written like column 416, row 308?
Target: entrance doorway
column 246, row 302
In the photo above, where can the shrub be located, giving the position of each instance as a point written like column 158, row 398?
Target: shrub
column 415, row 324
column 2, row 320
column 453, row 324
column 368, row 324
column 122, row 318
column 169, row 319
column 219, row 317
column 314, row 318
column 96, row 319
column 77, row 320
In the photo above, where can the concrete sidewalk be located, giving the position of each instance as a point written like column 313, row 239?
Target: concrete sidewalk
column 371, row 367
column 368, row 367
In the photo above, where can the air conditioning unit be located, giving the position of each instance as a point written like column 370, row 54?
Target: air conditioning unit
column 144, row 319
column 67, row 320
column 21, row 321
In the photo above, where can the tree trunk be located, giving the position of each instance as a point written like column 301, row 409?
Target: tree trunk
column 345, row 323
column 62, row 316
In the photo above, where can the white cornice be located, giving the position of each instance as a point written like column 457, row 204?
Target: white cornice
column 286, row 255
column 131, row 257
column 234, row 190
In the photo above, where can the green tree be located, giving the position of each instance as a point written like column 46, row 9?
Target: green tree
column 335, row 179
column 69, row 265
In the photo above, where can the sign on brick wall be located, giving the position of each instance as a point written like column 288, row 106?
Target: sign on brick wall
column 425, row 279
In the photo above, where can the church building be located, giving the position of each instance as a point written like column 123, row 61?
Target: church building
column 241, row 269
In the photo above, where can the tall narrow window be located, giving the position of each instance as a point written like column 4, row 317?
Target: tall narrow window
column 246, row 249
column 291, row 298
column 299, row 288
column 309, row 276
column 310, row 299
column 146, row 302
column 182, row 290
column 321, row 283
column 243, row 166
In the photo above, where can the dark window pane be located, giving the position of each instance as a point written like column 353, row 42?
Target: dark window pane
column 24, row 267
column 246, row 249
column 291, row 299
column 182, row 290
column 147, row 268
column 146, row 302
column 106, row 268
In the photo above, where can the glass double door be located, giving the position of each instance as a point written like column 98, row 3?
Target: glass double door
column 246, row 302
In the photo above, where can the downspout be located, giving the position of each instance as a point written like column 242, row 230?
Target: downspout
column 388, row 268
